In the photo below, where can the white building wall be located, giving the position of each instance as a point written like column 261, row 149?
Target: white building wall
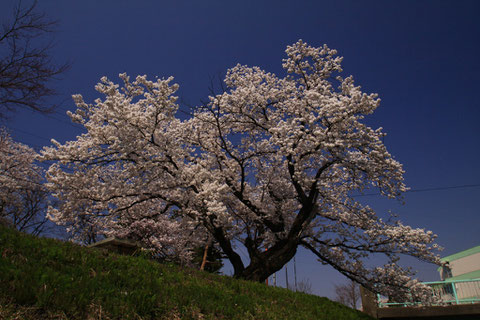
column 465, row 265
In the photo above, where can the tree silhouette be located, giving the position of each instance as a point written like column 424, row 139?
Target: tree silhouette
column 26, row 65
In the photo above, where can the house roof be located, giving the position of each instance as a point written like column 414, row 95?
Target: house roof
column 116, row 242
column 461, row 254
column 466, row 276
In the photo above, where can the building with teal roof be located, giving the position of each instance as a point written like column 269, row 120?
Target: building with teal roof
column 461, row 265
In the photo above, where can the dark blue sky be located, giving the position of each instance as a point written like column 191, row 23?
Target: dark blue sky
column 421, row 57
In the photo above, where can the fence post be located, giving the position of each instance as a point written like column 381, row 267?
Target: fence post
column 454, row 292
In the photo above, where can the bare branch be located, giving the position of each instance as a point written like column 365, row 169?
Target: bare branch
column 26, row 65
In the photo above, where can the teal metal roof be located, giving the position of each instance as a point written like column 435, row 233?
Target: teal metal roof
column 466, row 276
column 461, row 254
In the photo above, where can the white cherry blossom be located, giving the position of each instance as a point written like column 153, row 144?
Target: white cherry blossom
column 270, row 164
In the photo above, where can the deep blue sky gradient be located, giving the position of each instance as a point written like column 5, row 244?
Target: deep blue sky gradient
column 421, row 57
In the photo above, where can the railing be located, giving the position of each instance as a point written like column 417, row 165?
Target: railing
column 447, row 293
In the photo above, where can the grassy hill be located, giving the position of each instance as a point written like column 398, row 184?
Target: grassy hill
column 49, row 279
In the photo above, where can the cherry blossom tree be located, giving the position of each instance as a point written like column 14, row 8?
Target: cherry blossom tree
column 271, row 164
column 23, row 198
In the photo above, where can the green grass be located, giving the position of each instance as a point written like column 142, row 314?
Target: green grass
column 49, row 279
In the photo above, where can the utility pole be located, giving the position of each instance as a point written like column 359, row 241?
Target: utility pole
column 266, row 281
column 295, row 271
column 286, row 275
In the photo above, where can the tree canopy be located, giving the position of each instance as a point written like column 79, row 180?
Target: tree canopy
column 270, row 164
column 23, row 197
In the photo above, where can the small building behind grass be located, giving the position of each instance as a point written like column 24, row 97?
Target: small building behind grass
column 121, row 246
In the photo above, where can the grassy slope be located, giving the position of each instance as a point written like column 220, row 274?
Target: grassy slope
column 46, row 278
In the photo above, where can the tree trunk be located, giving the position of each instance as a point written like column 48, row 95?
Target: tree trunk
column 270, row 261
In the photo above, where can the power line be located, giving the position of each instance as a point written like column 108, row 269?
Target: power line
column 30, row 134
column 424, row 190
column 42, row 137
column 446, row 188
column 62, row 121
